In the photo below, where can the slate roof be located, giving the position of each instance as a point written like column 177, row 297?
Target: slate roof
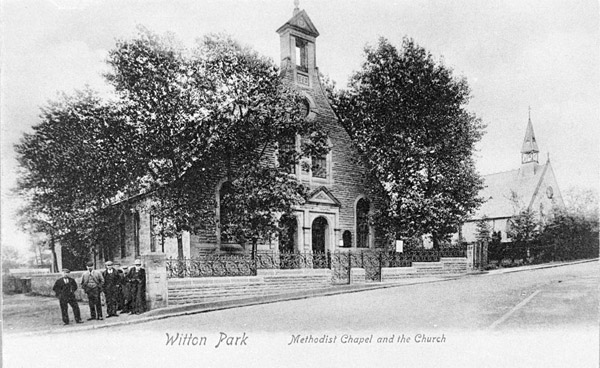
column 499, row 186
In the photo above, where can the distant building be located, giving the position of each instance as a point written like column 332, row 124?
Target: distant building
column 532, row 186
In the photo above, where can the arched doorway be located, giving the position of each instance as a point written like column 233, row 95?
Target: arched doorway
column 319, row 234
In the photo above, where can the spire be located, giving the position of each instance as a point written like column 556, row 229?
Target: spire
column 296, row 7
column 529, row 150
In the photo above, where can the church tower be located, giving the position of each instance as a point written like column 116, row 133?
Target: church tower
column 336, row 212
column 297, row 39
column 529, row 150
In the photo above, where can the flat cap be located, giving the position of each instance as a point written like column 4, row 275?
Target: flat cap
column 66, row 270
column 109, row 263
column 90, row 264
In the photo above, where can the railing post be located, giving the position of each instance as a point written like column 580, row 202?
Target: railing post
column 349, row 265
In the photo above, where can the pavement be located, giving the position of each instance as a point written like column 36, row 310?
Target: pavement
column 34, row 315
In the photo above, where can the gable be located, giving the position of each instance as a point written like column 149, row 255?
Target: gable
column 499, row 189
column 302, row 23
column 322, row 195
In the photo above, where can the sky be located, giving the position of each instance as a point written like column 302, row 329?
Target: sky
column 515, row 54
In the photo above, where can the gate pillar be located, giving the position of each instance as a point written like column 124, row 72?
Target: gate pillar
column 156, row 280
column 470, row 257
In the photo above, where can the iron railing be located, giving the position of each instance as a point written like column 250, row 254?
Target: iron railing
column 339, row 261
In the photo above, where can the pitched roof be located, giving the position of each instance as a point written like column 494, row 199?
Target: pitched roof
column 501, row 188
column 529, row 142
column 322, row 195
column 300, row 22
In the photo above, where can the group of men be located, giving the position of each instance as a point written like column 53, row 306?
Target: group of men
column 124, row 290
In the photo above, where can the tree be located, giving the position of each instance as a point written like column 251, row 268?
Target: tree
column 181, row 119
column 524, row 227
column 76, row 161
column 483, row 231
column 406, row 113
column 10, row 258
column 218, row 110
column 572, row 231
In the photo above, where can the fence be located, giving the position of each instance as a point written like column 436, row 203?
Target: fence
column 340, row 262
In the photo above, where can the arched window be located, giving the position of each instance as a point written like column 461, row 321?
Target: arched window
column 321, row 165
column 225, row 207
column 362, row 223
column 347, row 239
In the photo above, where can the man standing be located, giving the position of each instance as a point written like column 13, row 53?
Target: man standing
column 92, row 283
column 126, row 294
column 112, row 280
column 137, row 288
column 65, row 291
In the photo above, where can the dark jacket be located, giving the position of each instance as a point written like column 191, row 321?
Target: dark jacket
column 137, row 278
column 111, row 280
column 65, row 290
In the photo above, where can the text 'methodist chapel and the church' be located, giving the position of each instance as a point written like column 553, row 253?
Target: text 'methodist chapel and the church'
column 336, row 214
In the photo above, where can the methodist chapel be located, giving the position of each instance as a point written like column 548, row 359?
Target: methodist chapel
column 336, row 212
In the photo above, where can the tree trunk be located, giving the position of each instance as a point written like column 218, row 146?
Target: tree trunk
column 436, row 242
column 53, row 251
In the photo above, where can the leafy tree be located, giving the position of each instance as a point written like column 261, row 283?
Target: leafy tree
column 10, row 258
column 73, row 164
column 407, row 114
column 572, row 231
column 218, row 110
column 180, row 120
column 524, row 227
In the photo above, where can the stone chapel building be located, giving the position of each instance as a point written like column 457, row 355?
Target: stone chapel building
column 533, row 186
column 336, row 214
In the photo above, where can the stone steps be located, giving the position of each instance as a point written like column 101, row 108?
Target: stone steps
column 232, row 288
column 204, row 296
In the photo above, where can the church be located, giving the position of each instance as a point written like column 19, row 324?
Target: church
column 336, row 213
column 532, row 186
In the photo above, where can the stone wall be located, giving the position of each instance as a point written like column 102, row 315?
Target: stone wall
column 357, row 275
column 267, row 282
column 446, row 267
column 43, row 284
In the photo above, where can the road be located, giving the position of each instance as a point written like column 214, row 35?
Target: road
column 546, row 317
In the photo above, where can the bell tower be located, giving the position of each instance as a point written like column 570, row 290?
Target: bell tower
column 529, row 150
column 297, row 39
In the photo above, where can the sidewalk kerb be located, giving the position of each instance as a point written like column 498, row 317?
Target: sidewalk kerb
column 239, row 303
column 190, row 309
